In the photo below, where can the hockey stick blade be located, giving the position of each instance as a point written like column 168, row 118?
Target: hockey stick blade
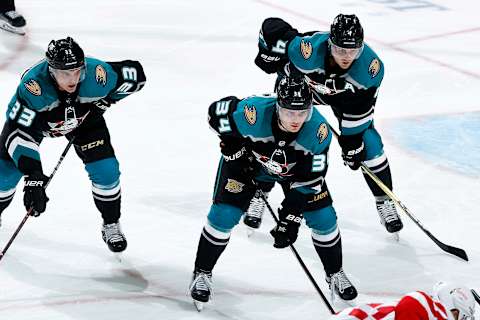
column 452, row 250
column 460, row 253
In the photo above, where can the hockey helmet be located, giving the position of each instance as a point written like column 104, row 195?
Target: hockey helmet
column 346, row 31
column 293, row 93
column 455, row 297
column 65, row 54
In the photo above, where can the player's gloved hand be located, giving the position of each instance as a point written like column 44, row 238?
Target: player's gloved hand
column 100, row 106
column 34, row 193
column 353, row 150
column 286, row 231
column 272, row 44
column 234, row 150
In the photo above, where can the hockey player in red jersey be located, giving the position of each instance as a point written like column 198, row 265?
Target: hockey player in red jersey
column 448, row 302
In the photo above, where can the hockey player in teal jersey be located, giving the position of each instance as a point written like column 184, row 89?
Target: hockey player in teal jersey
column 345, row 73
column 65, row 94
column 269, row 139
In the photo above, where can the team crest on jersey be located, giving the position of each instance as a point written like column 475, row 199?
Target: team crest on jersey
column 101, row 75
column 374, row 68
column 250, row 113
column 322, row 132
column 306, row 49
column 234, row 186
column 34, row 87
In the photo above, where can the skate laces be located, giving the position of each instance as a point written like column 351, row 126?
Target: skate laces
column 113, row 232
column 340, row 281
column 387, row 210
column 12, row 14
column 202, row 282
column 257, row 205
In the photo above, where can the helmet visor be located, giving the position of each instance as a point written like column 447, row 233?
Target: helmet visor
column 290, row 115
column 349, row 53
column 68, row 75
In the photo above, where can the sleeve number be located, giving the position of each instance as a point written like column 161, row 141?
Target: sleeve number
column 129, row 74
column 221, row 109
column 319, row 163
column 280, row 47
column 26, row 116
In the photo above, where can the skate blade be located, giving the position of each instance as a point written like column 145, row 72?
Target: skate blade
column 118, row 257
column 250, row 231
column 396, row 236
column 198, row 305
column 335, row 297
column 9, row 28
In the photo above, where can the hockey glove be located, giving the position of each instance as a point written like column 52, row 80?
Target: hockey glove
column 34, row 193
column 272, row 44
column 286, row 231
column 235, row 151
column 353, row 150
column 100, row 106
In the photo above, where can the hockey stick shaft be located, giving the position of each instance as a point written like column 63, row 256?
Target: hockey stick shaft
column 299, row 259
column 20, row 226
column 447, row 248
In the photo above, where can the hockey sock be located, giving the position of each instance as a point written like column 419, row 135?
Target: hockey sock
column 329, row 249
column 210, row 247
column 108, row 202
column 384, row 175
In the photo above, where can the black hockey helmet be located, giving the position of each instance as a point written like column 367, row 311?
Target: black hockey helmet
column 346, row 31
column 65, row 54
column 293, row 93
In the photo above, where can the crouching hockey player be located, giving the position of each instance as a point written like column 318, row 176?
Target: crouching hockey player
column 65, row 95
column 268, row 139
column 346, row 74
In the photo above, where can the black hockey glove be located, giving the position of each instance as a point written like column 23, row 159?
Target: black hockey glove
column 272, row 44
column 286, row 231
column 353, row 150
column 100, row 106
column 235, row 151
column 34, row 193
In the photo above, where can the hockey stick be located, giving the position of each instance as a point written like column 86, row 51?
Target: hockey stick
column 449, row 249
column 299, row 259
column 476, row 296
column 62, row 156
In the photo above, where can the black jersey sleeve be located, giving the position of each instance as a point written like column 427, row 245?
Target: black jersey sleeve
column 221, row 120
column 273, row 40
column 130, row 79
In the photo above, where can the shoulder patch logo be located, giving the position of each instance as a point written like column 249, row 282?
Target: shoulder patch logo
column 234, row 186
column 322, row 132
column 306, row 49
column 250, row 113
column 101, row 75
column 34, row 87
column 374, row 68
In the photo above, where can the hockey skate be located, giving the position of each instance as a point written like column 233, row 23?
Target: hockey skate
column 114, row 237
column 12, row 21
column 388, row 215
column 201, row 288
column 341, row 286
column 253, row 216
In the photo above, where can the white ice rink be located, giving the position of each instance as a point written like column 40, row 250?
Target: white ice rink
column 193, row 53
